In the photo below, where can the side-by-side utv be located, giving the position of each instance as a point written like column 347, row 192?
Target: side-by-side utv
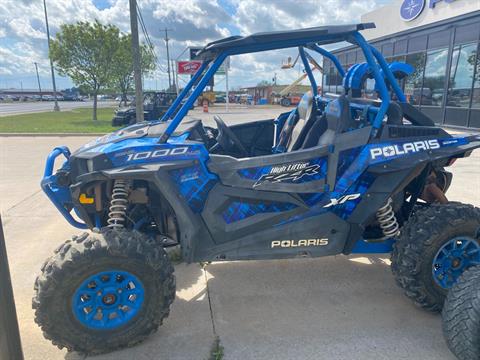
column 339, row 174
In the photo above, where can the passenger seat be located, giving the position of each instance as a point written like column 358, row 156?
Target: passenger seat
column 338, row 120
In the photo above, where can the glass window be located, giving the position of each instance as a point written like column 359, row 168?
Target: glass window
column 351, row 57
column 467, row 33
column 338, row 81
column 387, row 49
column 360, row 57
column 400, row 47
column 400, row 58
column 461, row 75
column 434, row 79
column 332, row 79
column 439, row 39
column 401, row 82
column 417, row 44
column 476, row 83
column 413, row 83
column 377, row 46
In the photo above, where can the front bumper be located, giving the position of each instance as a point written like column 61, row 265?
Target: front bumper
column 59, row 195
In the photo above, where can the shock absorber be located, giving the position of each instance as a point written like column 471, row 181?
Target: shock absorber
column 387, row 220
column 118, row 205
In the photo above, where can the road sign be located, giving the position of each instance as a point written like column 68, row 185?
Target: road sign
column 194, row 50
column 188, row 67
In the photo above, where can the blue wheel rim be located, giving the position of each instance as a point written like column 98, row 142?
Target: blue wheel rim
column 453, row 258
column 108, row 300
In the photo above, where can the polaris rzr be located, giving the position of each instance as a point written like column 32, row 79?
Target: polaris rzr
column 336, row 175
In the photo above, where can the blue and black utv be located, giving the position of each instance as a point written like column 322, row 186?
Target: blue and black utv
column 336, row 175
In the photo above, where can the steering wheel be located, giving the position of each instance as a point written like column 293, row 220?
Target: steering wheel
column 227, row 138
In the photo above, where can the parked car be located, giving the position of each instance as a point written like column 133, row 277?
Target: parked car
column 220, row 99
column 155, row 103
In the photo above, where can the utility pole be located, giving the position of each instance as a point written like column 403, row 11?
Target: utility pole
column 55, row 107
column 174, row 76
column 137, row 70
column 38, row 79
column 168, row 57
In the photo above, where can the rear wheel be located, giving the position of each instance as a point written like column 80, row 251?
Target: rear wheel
column 435, row 247
column 99, row 293
column 461, row 316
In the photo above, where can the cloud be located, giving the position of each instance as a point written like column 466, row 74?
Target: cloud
column 191, row 22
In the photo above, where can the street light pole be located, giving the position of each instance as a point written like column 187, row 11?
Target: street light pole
column 38, row 79
column 137, row 70
column 168, row 59
column 55, row 107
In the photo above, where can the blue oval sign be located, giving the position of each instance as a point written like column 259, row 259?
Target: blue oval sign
column 410, row 9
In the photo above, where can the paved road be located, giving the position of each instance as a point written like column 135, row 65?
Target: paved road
column 16, row 108
column 330, row 308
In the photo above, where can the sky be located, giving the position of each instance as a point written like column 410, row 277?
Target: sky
column 23, row 38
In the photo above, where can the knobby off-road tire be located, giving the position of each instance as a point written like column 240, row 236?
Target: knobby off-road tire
column 79, row 260
column 461, row 316
column 425, row 233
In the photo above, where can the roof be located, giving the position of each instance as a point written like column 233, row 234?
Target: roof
column 280, row 39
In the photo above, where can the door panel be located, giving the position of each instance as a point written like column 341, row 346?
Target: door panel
column 297, row 172
column 260, row 198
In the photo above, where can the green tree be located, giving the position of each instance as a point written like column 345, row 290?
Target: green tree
column 123, row 65
column 85, row 52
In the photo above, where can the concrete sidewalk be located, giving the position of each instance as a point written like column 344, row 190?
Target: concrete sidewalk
column 329, row 308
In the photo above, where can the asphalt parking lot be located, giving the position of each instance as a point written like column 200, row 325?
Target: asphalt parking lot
column 328, row 308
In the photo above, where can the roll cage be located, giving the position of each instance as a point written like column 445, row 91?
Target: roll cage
column 216, row 52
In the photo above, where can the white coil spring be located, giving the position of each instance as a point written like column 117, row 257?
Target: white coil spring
column 387, row 220
column 118, row 205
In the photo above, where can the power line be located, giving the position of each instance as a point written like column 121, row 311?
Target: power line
column 151, row 48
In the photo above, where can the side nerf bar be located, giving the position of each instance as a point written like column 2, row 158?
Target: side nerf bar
column 58, row 195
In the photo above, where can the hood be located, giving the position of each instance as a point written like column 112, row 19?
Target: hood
column 152, row 130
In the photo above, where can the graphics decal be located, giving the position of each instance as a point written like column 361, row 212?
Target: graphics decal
column 157, row 153
column 342, row 200
column 405, row 148
column 297, row 243
column 292, row 172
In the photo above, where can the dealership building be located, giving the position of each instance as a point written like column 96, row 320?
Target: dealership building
column 440, row 39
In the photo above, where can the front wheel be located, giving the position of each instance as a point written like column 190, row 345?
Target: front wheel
column 100, row 293
column 436, row 245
